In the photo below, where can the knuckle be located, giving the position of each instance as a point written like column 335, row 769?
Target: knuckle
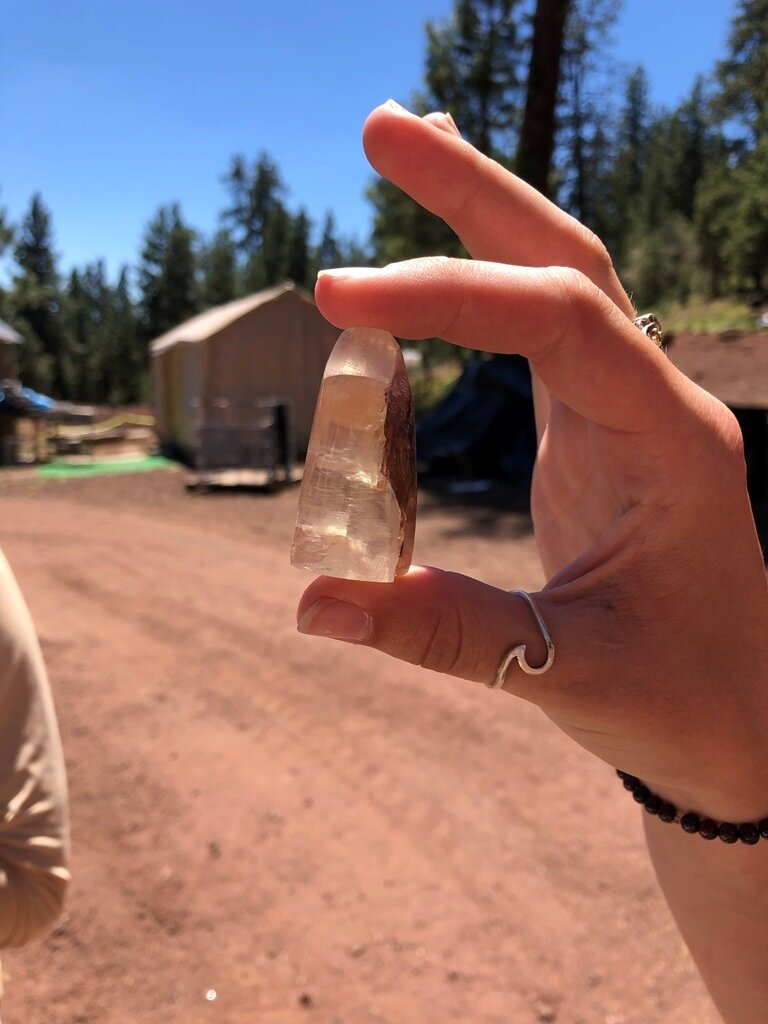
column 573, row 287
column 433, row 265
column 577, row 302
column 597, row 253
column 456, row 314
column 716, row 434
column 441, row 650
column 464, row 196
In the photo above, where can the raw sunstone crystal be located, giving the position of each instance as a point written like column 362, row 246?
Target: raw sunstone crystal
column 357, row 506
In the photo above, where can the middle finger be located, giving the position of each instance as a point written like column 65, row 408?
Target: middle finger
column 496, row 215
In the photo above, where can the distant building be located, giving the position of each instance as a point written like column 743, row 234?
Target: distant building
column 9, row 347
column 10, row 435
column 25, row 414
column 733, row 366
column 222, row 365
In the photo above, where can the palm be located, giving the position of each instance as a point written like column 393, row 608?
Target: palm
column 586, row 477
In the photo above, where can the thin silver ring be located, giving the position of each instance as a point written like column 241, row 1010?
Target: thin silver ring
column 517, row 653
column 651, row 327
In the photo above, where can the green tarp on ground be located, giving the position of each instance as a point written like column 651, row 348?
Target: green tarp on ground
column 59, row 470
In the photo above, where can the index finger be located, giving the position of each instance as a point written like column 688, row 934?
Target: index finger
column 585, row 351
column 496, row 215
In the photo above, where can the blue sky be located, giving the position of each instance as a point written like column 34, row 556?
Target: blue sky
column 110, row 109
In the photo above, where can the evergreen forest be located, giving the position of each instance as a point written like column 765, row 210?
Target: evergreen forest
column 679, row 196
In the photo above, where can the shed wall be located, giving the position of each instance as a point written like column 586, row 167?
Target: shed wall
column 176, row 388
column 278, row 351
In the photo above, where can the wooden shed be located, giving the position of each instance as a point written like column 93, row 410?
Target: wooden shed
column 217, row 368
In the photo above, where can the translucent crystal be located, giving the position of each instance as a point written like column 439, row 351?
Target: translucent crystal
column 357, row 506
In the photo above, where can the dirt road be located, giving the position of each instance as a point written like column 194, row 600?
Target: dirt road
column 270, row 828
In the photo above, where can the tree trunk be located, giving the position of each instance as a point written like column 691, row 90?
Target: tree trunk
column 537, row 139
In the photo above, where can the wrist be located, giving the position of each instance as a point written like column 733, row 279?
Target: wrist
column 730, row 817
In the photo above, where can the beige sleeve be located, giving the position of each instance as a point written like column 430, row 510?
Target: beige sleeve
column 34, row 820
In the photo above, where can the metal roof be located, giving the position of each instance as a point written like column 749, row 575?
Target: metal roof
column 206, row 324
column 8, row 334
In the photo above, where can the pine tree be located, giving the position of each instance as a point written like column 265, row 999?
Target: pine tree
column 167, row 273
column 82, row 336
column 740, row 190
column 743, row 75
column 268, row 265
column 275, row 245
column 253, row 192
column 747, row 245
column 129, row 381
column 218, row 271
column 328, row 253
column 475, row 70
column 586, row 147
column 537, row 136
column 692, row 143
column 634, row 130
column 713, row 217
column 44, row 360
column 298, row 262
column 150, row 271
column 180, row 271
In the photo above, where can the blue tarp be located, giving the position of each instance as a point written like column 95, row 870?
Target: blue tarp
column 40, row 403
column 25, row 400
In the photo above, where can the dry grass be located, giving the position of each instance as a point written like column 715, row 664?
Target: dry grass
column 707, row 316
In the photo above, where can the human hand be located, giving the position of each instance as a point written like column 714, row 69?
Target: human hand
column 656, row 595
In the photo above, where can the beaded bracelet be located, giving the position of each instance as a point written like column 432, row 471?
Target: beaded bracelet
column 748, row 832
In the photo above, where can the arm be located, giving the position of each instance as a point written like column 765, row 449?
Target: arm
column 656, row 594
column 34, row 839
column 719, row 897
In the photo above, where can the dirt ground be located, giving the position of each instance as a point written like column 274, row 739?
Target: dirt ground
column 277, row 829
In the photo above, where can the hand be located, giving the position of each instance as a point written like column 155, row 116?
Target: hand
column 656, row 597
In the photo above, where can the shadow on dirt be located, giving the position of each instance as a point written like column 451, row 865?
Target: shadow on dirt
column 489, row 508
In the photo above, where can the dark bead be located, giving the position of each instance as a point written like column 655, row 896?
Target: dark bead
column 630, row 782
column 763, row 826
column 641, row 793
column 690, row 822
column 668, row 812
column 749, row 833
column 653, row 804
column 708, row 829
column 621, row 774
column 728, row 832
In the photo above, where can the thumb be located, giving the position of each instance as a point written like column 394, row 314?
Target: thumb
column 448, row 623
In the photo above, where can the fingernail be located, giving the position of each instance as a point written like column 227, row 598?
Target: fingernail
column 397, row 107
column 443, row 121
column 349, row 272
column 452, row 123
column 336, row 619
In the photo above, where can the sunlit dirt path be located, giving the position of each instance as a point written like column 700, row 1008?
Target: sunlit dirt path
column 269, row 828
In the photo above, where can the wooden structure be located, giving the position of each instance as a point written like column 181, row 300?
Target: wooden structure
column 25, row 415
column 214, row 376
column 733, row 366
column 10, row 435
column 9, row 346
